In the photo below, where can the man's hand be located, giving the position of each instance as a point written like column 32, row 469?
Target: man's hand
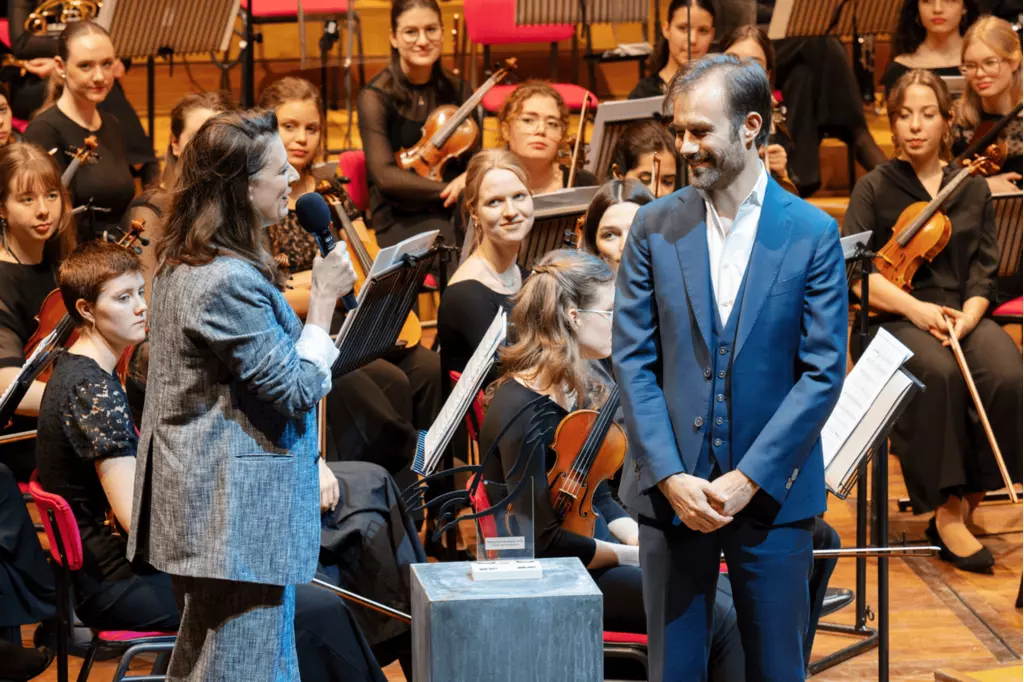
column 329, row 490
column 40, row 66
column 689, row 497
column 777, row 160
column 732, row 492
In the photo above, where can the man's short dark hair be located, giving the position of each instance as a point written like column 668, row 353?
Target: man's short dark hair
column 746, row 85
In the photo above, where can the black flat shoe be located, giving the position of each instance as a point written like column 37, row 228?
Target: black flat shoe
column 835, row 599
column 18, row 664
column 981, row 561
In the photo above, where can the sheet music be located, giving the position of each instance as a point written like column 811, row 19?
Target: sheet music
column 415, row 245
column 30, row 364
column 880, row 361
column 839, row 471
column 462, row 395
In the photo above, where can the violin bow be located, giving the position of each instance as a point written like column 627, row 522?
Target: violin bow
column 656, row 174
column 579, row 141
column 960, row 360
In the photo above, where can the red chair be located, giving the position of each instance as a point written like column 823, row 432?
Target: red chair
column 493, row 22
column 352, row 165
column 66, row 554
column 1009, row 311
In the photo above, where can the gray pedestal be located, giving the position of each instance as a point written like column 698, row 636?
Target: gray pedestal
column 545, row 630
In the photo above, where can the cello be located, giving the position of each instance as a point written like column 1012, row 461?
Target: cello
column 362, row 250
column 448, row 132
column 591, row 448
column 56, row 331
column 923, row 230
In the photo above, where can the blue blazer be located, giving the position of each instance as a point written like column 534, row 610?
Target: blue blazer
column 789, row 357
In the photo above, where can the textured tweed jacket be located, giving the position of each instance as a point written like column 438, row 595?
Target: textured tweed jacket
column 226, row 483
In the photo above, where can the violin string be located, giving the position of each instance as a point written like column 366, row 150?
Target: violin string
column 590, row 449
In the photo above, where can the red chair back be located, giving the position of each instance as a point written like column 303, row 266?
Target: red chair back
column 479, row 501
column 493, row 22
column 64, row 539
column 475, row 417
column 352, row 165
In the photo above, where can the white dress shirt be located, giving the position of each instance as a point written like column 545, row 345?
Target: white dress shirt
column 730, row 243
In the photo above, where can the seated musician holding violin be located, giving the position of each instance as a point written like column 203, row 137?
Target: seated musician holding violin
column 992, row 66
column 533, row 124
column 394, row 108
column 86, row 452
column 36, row 234
column 945, row 456
column 562, row 321
column 393, row 398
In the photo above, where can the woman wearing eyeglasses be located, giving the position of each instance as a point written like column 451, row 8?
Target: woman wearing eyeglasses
column 929, row 36
column 533, row 124
column 992, row 66
column 392, row 110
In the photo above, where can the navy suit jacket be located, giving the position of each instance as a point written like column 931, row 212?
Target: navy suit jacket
column 789, row 357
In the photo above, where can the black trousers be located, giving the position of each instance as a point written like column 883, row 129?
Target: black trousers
column 27, row 590
column 940, row 441
column 824, row 537
column 376, row 412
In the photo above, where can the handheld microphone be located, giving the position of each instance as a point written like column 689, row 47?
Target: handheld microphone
column 315, row 217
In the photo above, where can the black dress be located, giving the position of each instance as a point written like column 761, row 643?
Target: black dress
column 939, row 440
column 466, row 311
column 85, row 418
column 402, row 203
column 106, row 181
column 22, row 290
column 531, row 422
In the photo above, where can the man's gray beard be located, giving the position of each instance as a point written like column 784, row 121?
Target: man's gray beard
column 721, row 174
column 705, row 178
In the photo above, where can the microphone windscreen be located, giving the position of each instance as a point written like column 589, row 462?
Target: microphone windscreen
column 313, row 213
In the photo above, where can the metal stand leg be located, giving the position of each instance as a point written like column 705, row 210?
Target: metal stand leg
column 151, row 95
column 249, row 62
column 880, row 498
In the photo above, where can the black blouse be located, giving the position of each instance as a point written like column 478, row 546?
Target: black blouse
column 387, row 125
column 466, row 311
column 651, row 86
column 106, row 180
column 84, row 418
column 533, row 431
column 966, row 267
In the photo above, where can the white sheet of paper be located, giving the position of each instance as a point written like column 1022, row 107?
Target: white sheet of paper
column 465, row 390
column 415, row 244
column 882, row 358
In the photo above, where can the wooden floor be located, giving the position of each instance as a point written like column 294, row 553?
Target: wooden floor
column 940, row 618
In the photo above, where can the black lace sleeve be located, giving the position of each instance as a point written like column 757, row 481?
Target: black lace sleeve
column 97, row 420
column 384, row 173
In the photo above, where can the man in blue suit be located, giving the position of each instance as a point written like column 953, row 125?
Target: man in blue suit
column 730, row 352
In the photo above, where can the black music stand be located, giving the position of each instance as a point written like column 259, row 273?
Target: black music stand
column 162, row 28
column 609, row 122
column 385, row 300
column 555, row 215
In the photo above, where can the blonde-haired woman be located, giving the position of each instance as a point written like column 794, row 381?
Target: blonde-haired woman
column 991, row 63
column 499, row 214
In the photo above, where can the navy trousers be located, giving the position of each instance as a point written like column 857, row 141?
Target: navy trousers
column 769, row 568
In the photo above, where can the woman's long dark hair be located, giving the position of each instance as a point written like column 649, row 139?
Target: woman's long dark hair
column 659, row 58
column 211, row 213
column 758, row 36
column 910, row 33
column 448, row 90
column 611, row 193
column 644, row 137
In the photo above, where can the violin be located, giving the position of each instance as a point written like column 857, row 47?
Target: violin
column 775, row 135
column 448, row 132
column 82, row 155
column 362, row 250
column 923, row 230
column 55, row 331
column 577, row 160
column 591, row 448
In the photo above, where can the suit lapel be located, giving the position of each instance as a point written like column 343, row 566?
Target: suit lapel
column 692, row 251
column 770, row 245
